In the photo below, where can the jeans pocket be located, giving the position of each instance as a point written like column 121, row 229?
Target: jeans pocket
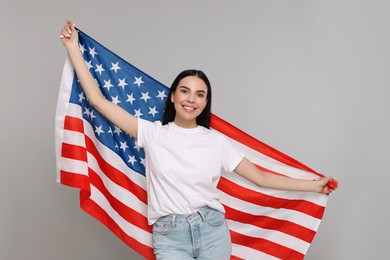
column 215, row 218
column 162, row 227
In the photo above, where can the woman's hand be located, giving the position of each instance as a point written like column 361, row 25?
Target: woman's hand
column 69, row 36
column 326, row 185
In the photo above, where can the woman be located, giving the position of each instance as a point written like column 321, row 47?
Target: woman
column 184, row 159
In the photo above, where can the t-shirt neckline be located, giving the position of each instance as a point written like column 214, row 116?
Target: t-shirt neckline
column 197, row 129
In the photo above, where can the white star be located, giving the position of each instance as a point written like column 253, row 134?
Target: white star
column 138, row 113
column 124, row 146
column 115, row 100
column 82, row 48
column 92, row 52
column 99, row 130
column 117, row 130
column 152, row 111
column 81, row 97
column 122, row 83
column 92, row 115
column 143, row 161
column 130, row 98
column 145, row 96
column 161, row 94
column 110, row 130
column 132, row 159
column 115, row 67
column 138, row 81
column 89, row 64
column 99, row 68
column 136, row 146
column 107, row 84
column 87, row 112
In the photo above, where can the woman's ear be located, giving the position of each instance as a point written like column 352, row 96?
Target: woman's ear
column 172, row 98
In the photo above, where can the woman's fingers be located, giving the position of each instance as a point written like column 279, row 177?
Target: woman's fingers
column 65, row 32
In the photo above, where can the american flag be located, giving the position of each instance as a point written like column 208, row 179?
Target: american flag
column 107, row 166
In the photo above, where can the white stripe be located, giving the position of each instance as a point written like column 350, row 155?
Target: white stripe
column 123, row 195
column 74, row 110
column 63, row 97
column 249, row 253
column 282, row 214
column 74, row 138
column 133, row 231
column 74, row 166
column 270, row 235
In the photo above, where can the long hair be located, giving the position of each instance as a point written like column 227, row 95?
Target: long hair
column 169, row 111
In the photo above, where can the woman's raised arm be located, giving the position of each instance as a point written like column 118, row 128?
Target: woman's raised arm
column 114, row 113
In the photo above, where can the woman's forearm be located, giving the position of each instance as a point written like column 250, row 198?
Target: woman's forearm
column 87, row 82
column 249, row 171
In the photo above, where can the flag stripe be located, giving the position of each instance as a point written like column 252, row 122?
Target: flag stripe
column 244, row 252
column 74, row 180
column 265, row 246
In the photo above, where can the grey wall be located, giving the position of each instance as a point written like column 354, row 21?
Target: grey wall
column 310, row 78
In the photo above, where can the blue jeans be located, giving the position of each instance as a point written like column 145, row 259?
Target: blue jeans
column 201, row 235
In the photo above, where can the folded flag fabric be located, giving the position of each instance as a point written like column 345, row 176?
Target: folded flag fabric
column 107, row 166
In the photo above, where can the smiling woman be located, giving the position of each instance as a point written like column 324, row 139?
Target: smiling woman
column 195, row 92
column 189, row 101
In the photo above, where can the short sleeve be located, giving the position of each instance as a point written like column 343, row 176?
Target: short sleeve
column 231, row 157
column 146, row 131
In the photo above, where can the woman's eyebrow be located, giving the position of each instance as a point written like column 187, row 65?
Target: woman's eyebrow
column 184, row 87
column 187, row 88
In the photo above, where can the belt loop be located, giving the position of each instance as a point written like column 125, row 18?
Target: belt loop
column 173, row 220
column 201, row 214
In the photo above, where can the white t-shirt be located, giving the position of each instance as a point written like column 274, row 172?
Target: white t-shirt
column 183, row 167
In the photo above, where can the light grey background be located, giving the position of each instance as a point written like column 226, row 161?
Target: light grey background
column 310, row 78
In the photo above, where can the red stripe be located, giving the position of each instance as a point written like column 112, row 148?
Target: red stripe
column 73, row 152
column 264, row 200
column 127, row 213
column 265, row 222
column 74, row 124
column 233, row 132
column 235, row 258
column 265, row 246
column 74, row 180
column 97, row 212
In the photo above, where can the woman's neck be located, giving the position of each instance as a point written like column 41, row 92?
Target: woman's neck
column 185, row 123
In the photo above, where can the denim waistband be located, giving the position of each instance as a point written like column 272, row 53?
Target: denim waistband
column 198, row 216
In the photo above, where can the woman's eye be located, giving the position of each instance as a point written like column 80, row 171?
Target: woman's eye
column 183, row 91
column 201, row 95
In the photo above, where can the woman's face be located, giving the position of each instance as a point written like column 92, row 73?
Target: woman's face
column 189, row 99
